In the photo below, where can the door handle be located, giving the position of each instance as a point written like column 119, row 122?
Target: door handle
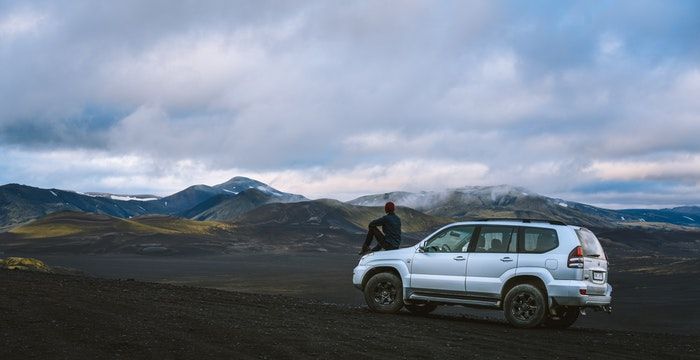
column 506, row 259
column 459, row 258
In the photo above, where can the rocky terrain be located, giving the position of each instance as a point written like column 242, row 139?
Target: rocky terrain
column 73, row 317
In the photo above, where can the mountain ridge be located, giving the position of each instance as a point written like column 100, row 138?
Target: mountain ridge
column 231, row 199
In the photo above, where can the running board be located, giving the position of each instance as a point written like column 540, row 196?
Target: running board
column 452, row 300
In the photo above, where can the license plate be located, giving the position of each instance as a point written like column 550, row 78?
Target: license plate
column 598, row 276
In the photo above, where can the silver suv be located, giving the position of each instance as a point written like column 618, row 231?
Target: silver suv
column 536, row 271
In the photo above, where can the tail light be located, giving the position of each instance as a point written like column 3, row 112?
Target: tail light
column 576, row 258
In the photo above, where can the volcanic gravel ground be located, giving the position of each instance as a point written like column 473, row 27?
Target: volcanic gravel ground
column 60, row 316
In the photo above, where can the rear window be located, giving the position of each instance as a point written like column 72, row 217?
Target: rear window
column 537, row 240
column 590, row 244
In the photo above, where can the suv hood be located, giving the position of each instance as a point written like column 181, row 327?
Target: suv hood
column 389, row 254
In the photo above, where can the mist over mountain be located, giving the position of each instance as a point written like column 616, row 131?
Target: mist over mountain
column 505, row 201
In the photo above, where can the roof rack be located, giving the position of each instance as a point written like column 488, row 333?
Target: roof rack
column 553, row 222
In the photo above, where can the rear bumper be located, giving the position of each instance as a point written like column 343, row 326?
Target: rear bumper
column 568, row 293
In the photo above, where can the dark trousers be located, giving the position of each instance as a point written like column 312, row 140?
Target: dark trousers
column 374, row 233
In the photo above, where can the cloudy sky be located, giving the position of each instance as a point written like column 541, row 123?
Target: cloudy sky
column 592, row 101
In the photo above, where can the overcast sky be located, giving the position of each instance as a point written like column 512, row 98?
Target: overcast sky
column 592, row 101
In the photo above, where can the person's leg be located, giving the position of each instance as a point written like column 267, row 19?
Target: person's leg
column 383, row 244
column 372, row 233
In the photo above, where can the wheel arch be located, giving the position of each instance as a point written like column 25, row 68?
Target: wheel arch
column 531, row 279
column 380, row 269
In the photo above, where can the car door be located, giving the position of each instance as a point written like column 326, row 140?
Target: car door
column 491, row 255
column 440, row 264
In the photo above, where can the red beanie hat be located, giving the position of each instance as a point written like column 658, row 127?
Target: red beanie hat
column 389, row 207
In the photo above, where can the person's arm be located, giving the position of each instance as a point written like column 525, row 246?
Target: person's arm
column 378, row 222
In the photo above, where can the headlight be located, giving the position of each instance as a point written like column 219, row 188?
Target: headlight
column 364, row 259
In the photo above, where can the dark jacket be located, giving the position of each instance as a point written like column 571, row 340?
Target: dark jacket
column 391, row 227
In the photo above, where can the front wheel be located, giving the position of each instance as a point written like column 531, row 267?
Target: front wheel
column 421, row 308
column 384, row 293
column 565, row 316
column 524, row 306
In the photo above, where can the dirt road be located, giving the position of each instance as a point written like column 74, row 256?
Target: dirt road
column 58, row 316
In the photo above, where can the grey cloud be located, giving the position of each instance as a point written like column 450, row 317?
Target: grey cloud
column 531, row 89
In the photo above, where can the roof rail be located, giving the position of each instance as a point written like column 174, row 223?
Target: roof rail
column 550, row 221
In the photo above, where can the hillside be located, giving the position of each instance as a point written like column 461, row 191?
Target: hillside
column 130, row 319
column 77, row 232
column 321, row 225
column 684, row 215
column 333, row 214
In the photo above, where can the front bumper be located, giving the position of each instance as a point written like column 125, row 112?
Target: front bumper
column 358, row 273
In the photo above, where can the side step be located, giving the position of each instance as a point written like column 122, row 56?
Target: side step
column 453, row 300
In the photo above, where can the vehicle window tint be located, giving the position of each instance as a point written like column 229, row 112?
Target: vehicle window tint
column 537, row 240
column 496, row 239
column 590, row 244
column 454, row 239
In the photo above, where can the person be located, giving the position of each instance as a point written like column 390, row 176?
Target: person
column 389, row 238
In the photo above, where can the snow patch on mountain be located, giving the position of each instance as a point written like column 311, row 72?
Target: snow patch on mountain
column 128, row 198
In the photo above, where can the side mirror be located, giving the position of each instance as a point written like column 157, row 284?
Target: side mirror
column 421, row 249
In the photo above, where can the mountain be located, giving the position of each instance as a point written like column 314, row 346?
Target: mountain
column 684, row 215
column 501, row 201
column 21, row 203
column 184, row 201
column 228, row 207
column 239, row 184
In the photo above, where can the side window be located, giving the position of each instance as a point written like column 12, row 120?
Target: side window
column 497, row 239
column 536, row 240
column 454, row 239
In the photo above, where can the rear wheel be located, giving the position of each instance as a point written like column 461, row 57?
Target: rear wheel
column 565, row 316
column 421, row 308
column 384, row 293
column 524, row 306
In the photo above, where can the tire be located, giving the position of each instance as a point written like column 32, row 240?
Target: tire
column 525, row 306
column 384, row 293
column 421, row 308
column 565, row 317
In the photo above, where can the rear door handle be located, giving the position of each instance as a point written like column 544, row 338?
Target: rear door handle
column 506, row 259
column 459, row 258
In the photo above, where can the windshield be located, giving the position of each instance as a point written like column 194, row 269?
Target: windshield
column 590, row 244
